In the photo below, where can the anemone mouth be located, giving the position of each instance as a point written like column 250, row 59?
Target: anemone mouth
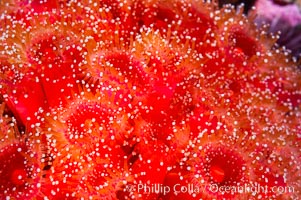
column 240, row 41
column 44, row 50
column 223, row 166
column 81, row 128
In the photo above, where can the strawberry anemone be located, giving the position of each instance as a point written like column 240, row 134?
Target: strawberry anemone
column 56, row 58
column 221, row 166
column 91, row 129
column 74, row 174
column 205, row 169
column 186, row 21
column 47, row 56
column 107, row 174
column 88, row 119
column 20, row 171
column 117, row 72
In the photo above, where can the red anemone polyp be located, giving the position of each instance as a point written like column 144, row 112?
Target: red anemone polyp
column 97, row 169
column 222, row 166
column 211, row 167
column 119, row 73
column 19, row 164
column 88, row 119
column 19, row 173
column 107, row 173
column 55, row 59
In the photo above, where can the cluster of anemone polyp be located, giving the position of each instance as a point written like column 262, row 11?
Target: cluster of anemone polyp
column 145, row 99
